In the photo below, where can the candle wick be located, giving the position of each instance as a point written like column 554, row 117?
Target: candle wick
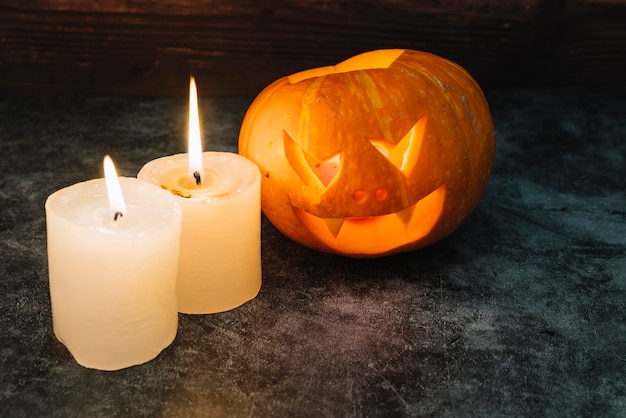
column 196, row 175
column 118, row 214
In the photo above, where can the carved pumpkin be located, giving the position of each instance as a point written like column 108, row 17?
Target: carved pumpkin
column 385, row 152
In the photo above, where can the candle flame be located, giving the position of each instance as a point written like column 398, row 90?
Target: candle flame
column 196, row 170
column 114, row 191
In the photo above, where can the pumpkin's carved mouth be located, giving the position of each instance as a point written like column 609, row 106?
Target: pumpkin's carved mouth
column 376, row 234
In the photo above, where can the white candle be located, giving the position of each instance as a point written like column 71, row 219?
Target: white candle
column 112, row 270
column 220, row 243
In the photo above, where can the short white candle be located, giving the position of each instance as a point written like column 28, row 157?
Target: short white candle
column 113, row 272
column 220, row 244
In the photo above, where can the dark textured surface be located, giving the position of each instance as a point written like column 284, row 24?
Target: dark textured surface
column 519, row 313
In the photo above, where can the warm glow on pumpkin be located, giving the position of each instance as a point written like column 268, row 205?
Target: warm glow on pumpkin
column 387, row 151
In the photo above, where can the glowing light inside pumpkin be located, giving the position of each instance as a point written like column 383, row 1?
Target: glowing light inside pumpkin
column 384, row 147
column 327, row 169
column 404, row 154
column 114, row 191
column 314, row 172
column 196, row 168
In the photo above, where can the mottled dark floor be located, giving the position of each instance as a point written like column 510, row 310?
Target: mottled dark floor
column 520, row 312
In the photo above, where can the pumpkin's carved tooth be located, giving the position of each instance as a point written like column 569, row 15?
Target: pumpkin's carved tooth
column 405, row 215
column 334, row 225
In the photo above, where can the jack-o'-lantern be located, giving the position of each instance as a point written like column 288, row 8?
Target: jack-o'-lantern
column 388, row 151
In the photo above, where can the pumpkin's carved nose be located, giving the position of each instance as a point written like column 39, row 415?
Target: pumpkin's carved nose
column 360, row 196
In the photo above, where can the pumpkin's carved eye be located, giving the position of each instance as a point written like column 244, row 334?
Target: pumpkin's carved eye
column 311, row 170
column 404, row 154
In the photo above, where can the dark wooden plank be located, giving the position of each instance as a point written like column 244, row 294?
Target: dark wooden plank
column 593, row 42
column 236, row 47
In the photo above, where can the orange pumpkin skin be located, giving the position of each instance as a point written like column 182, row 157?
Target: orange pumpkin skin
column 388, row 151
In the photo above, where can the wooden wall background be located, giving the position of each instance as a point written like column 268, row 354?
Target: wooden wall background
column 236, row 47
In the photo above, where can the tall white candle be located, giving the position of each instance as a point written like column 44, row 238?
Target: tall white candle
column 220, row 244
column 112, row 272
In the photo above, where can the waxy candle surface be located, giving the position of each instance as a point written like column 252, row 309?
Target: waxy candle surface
column 112, row 283
column 220, row 246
